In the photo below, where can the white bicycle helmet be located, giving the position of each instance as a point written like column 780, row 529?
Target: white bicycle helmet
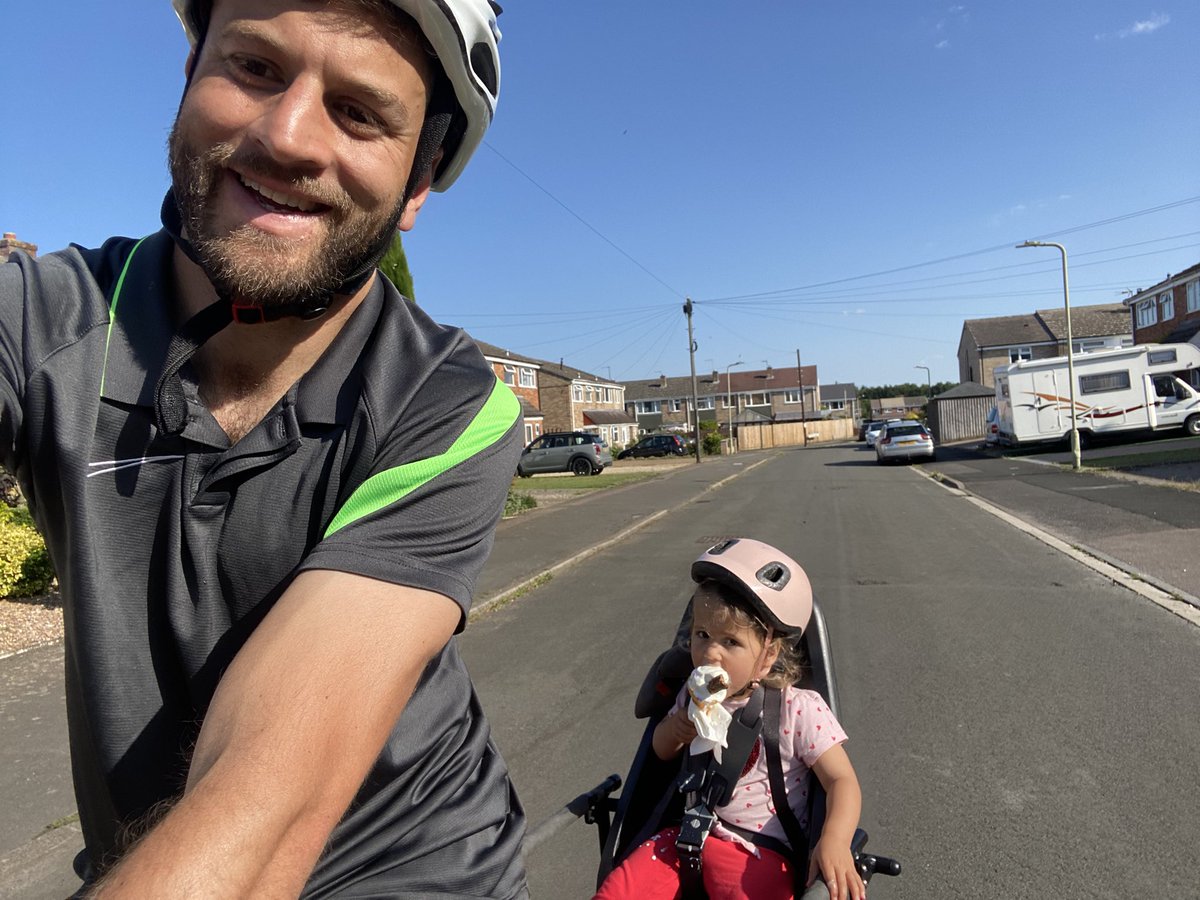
column 771, row 582
column 465, row 37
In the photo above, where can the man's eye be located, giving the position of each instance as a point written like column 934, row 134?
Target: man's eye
column 361, row 119
column 255, row 68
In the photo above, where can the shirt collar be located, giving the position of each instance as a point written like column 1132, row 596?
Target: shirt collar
column 142, row 323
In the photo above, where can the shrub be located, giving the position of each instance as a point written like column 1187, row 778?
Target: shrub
column 517, row 503
column 25, row 569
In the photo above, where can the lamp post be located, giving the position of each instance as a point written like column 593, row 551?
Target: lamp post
column 729, row 400
column 928, row 381
column 1076, row 463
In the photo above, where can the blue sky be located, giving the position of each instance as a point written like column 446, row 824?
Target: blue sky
column 844, row 179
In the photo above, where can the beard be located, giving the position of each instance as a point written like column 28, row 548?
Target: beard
column 264, row 269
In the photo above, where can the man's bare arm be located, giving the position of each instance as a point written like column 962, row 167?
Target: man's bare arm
column 294, row 727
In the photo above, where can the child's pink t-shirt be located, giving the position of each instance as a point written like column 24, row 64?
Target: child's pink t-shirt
column 807, row 729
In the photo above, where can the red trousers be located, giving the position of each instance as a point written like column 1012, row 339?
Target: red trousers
column 730, row 872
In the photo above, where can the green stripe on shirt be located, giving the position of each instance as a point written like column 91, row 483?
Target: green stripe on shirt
column 490, row 424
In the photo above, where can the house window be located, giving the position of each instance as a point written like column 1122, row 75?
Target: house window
column 1166, row 306
column 608, row 395
column 528, row 379
column 1193, row 295
column 760, row 399
column 792, row 397
column 675, row 406
column 1147, row 314
column 647, row 406
column 729, row 402
column 577, row 392
column 1016, row 354
column 591, row 393
column 705, row 403
column 1104, row 381
column 510, row 374
column 1087, row 346
column 834, row 405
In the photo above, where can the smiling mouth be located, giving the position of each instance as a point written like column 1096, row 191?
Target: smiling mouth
column 279, row 201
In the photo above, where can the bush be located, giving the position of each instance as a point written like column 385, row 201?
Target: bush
column 25, row 569
column 517, row 503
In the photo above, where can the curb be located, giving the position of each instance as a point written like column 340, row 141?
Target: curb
column 1169, row 597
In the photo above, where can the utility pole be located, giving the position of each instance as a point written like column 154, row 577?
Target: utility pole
column 800, row 378
column 687, row 311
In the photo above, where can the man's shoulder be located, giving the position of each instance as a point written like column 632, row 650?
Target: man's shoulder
column 61, row 296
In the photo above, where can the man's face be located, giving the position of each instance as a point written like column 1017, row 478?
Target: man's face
column 293, row 144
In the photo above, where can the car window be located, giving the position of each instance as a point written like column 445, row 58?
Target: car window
column 906, row 429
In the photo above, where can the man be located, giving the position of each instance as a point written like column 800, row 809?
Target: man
column 268, row 482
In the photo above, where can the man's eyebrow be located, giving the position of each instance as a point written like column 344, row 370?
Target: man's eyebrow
column 383, row 99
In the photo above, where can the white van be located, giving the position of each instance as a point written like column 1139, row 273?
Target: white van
column 1145, row 387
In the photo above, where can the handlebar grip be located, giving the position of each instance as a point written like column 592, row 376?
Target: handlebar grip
column 885, row 865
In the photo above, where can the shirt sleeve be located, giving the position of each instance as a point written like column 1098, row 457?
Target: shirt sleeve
column 426, row 514
column 12, row 373
column 814, row 727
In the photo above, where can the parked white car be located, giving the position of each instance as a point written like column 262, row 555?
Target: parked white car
column 904, row 440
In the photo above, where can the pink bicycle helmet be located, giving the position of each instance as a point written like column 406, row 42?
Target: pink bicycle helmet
column 771, row 582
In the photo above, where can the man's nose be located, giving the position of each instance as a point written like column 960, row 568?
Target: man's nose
column 296, row 128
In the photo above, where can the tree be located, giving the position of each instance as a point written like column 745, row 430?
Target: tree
column 395, row 266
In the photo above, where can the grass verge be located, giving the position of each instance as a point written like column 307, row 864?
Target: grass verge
column 1139, row 460
column 579, row 483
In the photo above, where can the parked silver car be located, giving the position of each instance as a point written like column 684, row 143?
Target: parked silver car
column 875, row 429
column 565, row 451
column 904, row 440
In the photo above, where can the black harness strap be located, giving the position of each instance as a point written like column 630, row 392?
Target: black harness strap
column 707, row 785
column 783, row 809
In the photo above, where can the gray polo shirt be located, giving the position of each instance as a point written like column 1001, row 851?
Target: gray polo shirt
column 390, row 458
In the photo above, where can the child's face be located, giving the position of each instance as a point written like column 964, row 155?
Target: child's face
column 717, row 640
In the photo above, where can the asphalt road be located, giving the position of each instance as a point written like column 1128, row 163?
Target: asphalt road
column 1022, row 727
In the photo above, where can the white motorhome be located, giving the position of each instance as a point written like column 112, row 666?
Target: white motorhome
column 1145, row 387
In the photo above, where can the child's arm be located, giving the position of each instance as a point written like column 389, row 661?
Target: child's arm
column 831, row 858
column 672, row 734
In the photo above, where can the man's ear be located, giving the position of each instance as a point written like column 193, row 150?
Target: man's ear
column 409, row 217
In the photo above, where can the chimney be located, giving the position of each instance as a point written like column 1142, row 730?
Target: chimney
column 9, row 243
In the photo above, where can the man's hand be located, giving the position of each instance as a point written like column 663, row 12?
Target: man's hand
column 296, row 724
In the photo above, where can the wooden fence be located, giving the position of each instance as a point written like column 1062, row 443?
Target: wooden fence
column 959, row 418
column 766, row 435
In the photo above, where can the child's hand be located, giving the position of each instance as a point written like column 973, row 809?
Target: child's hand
column 835, row 865
column 679, row 727
column 672, row 734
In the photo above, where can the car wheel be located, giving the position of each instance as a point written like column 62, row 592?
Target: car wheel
column 1192, row 425
column 580, row 466
column 522, row 473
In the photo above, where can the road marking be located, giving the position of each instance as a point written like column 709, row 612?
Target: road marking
column 540, row 577
column 1168, row 597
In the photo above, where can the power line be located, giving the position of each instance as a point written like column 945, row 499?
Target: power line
column 588, row 225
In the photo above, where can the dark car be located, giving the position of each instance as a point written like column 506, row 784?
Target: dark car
column 578, row 452
column 655, row 445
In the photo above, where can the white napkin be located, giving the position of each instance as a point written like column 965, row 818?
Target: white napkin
column 706, row 687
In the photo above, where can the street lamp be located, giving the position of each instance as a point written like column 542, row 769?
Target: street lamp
column 1076, row 463
column 928, row 381
column 729, row 401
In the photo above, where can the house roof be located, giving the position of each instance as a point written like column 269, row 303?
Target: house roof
column 1047, row 326
column 494, row 352
column 609, row 417
column 571, row 373
column 528, row 409
column 1102, row 320
column 838, row 391
column 966, row 389
column 1170, row 281
column 671, row 388
column 1006, row 331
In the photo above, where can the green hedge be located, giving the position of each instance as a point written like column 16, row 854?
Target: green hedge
column 25, row 569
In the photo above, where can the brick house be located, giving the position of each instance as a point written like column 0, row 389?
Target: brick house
column 665, row 403
column 574, row 400
column 839, row 401
column 9, row 243
column 520, row 374
column 1002, row 340
column 1169, row 312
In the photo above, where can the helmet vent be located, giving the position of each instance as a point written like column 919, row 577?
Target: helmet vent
column 485, row 67
column 718, row 549
column 774, row 575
